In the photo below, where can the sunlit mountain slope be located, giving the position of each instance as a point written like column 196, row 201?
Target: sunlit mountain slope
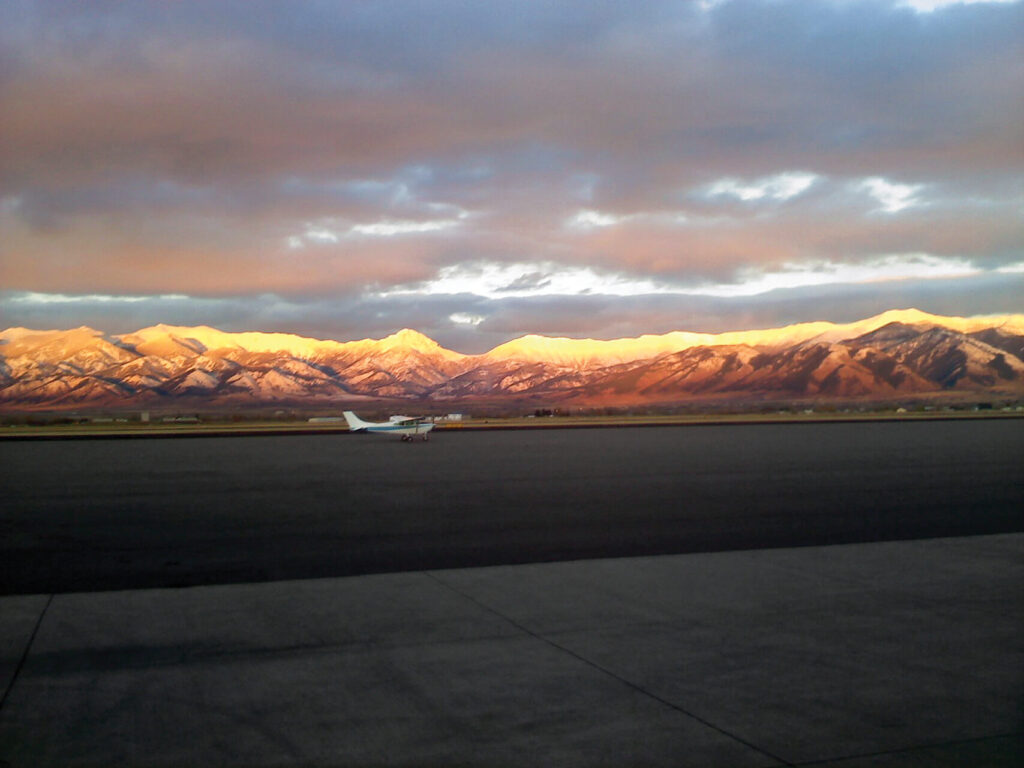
column 895, row 353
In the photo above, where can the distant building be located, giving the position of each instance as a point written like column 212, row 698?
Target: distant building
column 325, row 419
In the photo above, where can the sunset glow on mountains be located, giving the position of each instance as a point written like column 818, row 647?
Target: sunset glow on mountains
column 897, row 353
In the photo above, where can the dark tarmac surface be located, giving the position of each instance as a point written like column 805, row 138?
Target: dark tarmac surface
column 888, row 654
column 892, row 653
column 90, row 515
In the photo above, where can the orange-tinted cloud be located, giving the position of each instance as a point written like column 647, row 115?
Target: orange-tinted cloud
column 306, row 151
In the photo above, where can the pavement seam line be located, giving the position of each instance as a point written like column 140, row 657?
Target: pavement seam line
column 24, row 654
column 903, row 750
column 625, row 681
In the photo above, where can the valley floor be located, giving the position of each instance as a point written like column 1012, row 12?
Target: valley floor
column 86, row 427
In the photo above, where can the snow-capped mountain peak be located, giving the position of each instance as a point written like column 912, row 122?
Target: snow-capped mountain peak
column 899, row 351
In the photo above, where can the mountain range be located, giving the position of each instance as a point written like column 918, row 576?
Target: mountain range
column 895, row 354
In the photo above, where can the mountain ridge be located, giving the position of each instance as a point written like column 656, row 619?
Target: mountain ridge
column 898, row 352
column 266, row 341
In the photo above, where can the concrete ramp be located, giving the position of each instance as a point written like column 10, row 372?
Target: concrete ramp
column 898, row 653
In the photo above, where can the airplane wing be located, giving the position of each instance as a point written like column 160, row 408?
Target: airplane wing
column 408, row 421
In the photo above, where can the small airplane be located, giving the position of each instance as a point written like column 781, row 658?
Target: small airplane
column 409, row 427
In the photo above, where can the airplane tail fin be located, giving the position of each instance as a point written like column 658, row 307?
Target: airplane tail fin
column 354, row 422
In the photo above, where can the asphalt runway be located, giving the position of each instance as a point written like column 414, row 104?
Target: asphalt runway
column 84, row 515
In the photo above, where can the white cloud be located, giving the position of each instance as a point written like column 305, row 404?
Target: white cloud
column 1012, row 269
column 781, row 186
column 393, row 227
column 464, row 318
column 927, row 6
column 499, row 281
column 590, row 219
column 320, row 235
column 31, row 297
column 449, row 208
column 333, row 231
column 900, row 266
column 893, row 197
column 524, row 279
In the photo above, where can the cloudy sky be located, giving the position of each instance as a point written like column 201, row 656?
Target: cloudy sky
column 481, row 170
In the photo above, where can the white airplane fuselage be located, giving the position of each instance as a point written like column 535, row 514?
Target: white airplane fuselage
column 406, row 427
